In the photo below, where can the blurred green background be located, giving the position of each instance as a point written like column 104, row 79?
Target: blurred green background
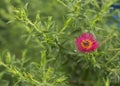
column 11, row 33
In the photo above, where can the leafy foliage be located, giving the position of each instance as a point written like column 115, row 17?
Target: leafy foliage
column 37, row 43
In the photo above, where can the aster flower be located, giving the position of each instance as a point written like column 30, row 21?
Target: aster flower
column 86, row 43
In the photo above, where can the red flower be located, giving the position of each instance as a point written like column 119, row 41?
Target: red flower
column 86, row 43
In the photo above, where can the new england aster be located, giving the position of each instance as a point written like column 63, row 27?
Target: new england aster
column 86, row 43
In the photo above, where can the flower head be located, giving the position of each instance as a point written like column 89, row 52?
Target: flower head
column 86, row 43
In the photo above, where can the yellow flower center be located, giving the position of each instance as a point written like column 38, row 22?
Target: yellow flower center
column 86, row 44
